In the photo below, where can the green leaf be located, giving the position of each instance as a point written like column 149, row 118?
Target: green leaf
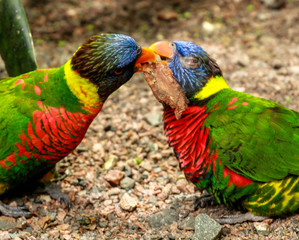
column 16, row 46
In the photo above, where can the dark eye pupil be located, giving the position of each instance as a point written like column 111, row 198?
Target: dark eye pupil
column 119, row 71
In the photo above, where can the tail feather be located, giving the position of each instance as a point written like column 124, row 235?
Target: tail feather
column 275, row 198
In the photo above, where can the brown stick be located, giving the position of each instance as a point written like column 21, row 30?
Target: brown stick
column 165, row 88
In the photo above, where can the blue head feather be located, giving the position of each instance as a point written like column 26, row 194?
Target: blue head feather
column 107, row 60
column 192, row 66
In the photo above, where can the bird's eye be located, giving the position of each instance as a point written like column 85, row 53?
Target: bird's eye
column 119, row 71
column 139, row 50
column 191, row 62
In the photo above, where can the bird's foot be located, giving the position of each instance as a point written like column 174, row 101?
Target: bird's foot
column 234, row 219
column 205, row 200
column 12, row 211
column 55, row 192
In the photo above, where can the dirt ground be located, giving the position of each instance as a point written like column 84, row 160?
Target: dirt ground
column 257, row 49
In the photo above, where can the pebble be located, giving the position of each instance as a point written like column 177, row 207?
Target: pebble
column 167, row 14
column 114, row 191
column 127, row 183
column 165, row 192
column 187, row 223
column 45, row 198
column 206, row 228
column 128, row 171
column 156, row 156
column 114, row 176
column 262, row 227
column 165, row 217
column 154, row 118
column 5, row 235
column 294, row 70
column 110, row 163
column 146, row 165
column 128, row 203
column 7, row 223
column 152, row 200
column 184, row 186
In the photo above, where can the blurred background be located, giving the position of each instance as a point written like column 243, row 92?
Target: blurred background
column 255, row 43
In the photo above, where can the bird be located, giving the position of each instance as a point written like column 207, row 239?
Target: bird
column 45, row 113
column 242, row 149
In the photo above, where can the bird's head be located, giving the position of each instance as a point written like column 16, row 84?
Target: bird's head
column 109, row 60
column 191, row 65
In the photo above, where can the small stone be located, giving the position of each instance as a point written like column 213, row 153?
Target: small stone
column 294, row 70
column 114, row 177
column 165, row 217
column 128, row 203
column 103, row 224
column 95, row 193
column 165, row 192
column 114, row 191
column 262, row 227
column 206, row 228
column 154, row 118
column 208, row 27
column 45, row 198
column 43, row 221
column 96, row 147
column 61, row 215
column 128, row 171
column 110, row 163
column 82, row 148
column 5, row 235
column 82, row 193
column 187, row 224
column 153, row 146
column 146, row 165
column 127, row 183
column 243, row 60
column 156, row 156
column 152, row 200
column 167, row 14
column 7, row 223
column 181, row 184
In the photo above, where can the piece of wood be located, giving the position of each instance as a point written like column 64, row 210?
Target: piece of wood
column 165, row 88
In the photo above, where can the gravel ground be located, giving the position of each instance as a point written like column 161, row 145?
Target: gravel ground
column 123, row 179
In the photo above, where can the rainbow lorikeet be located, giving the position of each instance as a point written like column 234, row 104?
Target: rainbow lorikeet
column 242, row 149
column 46, row 113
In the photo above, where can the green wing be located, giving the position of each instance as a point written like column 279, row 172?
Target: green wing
column 16, row 111
column 258, row 139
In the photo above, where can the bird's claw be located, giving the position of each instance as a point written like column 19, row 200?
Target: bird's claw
column 12, row 211
column 240, row 218
column 205, row 200
column 55, row 192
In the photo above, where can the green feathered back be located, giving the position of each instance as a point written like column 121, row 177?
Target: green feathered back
column 258, row 138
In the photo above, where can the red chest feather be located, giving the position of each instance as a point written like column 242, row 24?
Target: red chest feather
column 191, row 142
column 51, row 135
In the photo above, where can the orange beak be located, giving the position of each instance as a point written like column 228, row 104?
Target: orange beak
column 162, row 48
column 146, row 56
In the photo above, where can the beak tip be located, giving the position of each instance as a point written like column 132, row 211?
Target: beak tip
column 162, row 48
